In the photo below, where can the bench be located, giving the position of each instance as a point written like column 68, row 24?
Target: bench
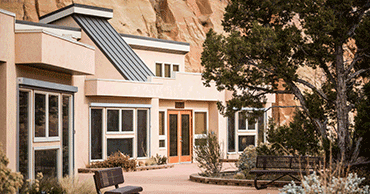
column 113, row 176
column 284, row 166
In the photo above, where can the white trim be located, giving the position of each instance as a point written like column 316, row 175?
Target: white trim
column 7, row 12
column 78, row 10
column 164, row 136
column 119, row 105
column 46, row 147
column 139, row 43
column 127, row 81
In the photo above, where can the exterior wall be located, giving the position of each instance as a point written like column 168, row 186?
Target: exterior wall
column 151, row 57
column 8, row 88
column 103, row 67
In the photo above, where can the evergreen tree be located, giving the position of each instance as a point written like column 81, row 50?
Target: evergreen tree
column 268, row 41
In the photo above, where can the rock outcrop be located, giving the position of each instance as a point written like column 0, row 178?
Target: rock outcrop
column 179, row 20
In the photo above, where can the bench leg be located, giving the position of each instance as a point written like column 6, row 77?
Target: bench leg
column 256, row 185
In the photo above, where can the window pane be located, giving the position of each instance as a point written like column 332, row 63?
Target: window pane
column 66, row 134
column 176, row 68
column 23, row 132
column 53, row 116
column 142, row 133
column 161, row 123
column 40, row 109
column 245, row 141
column 122, row 145
column 231, row 134
column 46, row 162
column 158, row 70
column 113, row 120
column 251, row 125
column 200, row 141
column 173, row 135
column 96, row 133
column 167, row 70
column 185, row 128
column 162, row 143
column 261, row 130
column 242, row 121
column 200, row 123
column 127, row 120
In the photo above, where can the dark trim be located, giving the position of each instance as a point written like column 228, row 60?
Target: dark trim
column 155, row 39
column 47, row 25
column 76, row 5
column 46, row 85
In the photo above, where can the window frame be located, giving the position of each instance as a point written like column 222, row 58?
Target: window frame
column 59, row 158
column 163, row 69
column 47, row 137
column 120, row 134
column 164, row 136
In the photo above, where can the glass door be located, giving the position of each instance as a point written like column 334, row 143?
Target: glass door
column 179, row 136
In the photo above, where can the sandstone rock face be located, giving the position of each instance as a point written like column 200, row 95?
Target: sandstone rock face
column 179, row 20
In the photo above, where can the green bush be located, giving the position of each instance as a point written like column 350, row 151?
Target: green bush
column 117, row 159
column 208, row 153
column 247, row 160
column 160, row 160
column 9, row 181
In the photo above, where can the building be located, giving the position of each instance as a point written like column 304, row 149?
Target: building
column 74, row 90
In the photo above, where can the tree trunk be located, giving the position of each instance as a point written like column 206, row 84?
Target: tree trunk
column 341, row 103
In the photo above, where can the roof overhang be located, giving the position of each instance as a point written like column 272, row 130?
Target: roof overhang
column 77, row 9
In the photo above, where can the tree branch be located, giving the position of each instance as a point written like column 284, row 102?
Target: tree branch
column 353, row 63
column 313, row 88
column 354, row 75
column 351, row 32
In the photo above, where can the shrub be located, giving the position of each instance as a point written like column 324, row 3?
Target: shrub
column 208, row 153
column 9, row 181
column 72, row 185
column 247, row 160
column 42, row 185
column 117, row 159
column 160, row 160
column 315, row 184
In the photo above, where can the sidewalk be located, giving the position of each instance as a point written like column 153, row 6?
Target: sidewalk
column 176, row 180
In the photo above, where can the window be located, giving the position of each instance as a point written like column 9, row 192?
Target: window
column 96, row 134
column 241, row 133
column 45, row 133
column 162, row 130
column 46, row 116
column 200, row 126
column 118, row 129
column 123, row 145
column 166, row 69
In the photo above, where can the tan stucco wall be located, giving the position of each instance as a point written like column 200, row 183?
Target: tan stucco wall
column 150, row 58
column 8, row 94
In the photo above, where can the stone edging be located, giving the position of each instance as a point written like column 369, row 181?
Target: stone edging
column 140, row 168
column 235, row 182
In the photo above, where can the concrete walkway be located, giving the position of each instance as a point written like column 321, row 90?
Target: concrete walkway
column 176, row 180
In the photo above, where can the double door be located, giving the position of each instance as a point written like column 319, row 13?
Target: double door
column 179, row 136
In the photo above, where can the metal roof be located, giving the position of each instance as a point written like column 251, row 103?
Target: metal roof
column 120, row 54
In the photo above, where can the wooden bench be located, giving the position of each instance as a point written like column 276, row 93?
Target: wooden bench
column 283, row 166
column 113, row 176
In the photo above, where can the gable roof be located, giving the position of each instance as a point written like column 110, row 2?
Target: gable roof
column 119, row 53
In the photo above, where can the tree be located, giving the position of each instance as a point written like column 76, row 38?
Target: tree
column 269, row 41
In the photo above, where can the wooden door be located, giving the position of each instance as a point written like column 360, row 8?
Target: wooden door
column 179, row 136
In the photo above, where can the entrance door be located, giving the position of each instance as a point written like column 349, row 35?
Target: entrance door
column 179, row 136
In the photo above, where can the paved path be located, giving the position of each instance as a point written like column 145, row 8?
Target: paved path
column 176, row 180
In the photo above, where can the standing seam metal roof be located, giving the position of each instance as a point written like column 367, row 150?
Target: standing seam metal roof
column 121, row 55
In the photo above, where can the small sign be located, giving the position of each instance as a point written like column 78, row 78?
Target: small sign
column 179, row 104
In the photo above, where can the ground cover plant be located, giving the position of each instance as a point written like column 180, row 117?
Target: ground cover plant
column 9, row 181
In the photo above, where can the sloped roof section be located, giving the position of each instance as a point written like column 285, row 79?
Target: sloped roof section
column 120, row 54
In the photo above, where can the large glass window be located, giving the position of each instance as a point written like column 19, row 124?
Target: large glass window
column 142, row 133
column 242, row 132
column 96, row 134
column 122, row 145
column 46, row 162
column 118, row 129
column 45, row 133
